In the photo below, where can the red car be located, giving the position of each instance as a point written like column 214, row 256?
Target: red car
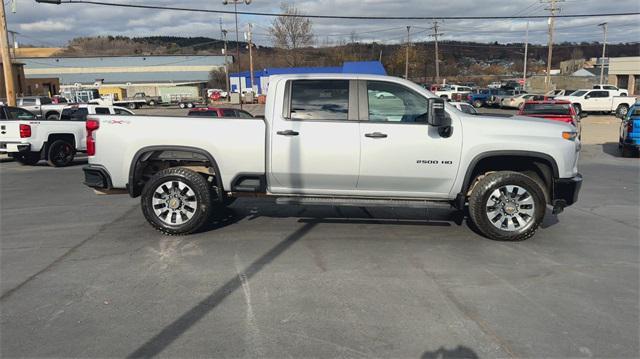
column 219, row 112
column 552, row 110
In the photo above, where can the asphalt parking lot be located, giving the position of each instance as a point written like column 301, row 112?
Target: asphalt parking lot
column 83, row 275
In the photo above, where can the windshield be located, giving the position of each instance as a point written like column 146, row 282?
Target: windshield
column 547, row 109
column 578, row 93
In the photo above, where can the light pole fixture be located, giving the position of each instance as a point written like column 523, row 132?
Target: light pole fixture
column 235, row 11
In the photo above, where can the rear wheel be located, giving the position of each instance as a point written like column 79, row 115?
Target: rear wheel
column 507, row 206
column 182, row 105
column 176, row 201
column 61, row 153
column 477, row 103
column 189, row 105
column 626, row 151
column 29, row 159
column 152, row 103
column 131, row 106
column 52, row 117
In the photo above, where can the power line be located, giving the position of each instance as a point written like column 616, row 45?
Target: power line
column 345, row 17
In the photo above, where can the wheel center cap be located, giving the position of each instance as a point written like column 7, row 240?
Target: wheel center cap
column 510, row 209
column 174, row 203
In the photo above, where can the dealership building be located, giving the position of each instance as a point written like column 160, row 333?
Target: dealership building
column 153, row 75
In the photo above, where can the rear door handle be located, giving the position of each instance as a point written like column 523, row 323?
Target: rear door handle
column 375, row 135
column 288, row 133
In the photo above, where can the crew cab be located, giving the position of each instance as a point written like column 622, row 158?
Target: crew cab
column 41, row 106
column 599, row 101
column 326, row 139
column 29, row 140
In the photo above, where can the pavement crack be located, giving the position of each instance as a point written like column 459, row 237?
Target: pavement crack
column 66, row 254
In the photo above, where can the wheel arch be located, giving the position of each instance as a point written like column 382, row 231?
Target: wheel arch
column 52, row 137
column 145, row 153
column 543, row 164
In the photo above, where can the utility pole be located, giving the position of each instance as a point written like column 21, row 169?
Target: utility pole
column 524, row 65
column 552, row 19
column 604, row 49
column 226, row 63
column 250, row 26
column 7, row 65
column 406, row 61
column 435, row 35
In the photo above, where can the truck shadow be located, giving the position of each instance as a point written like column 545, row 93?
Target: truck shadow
column 611, row 148
column 459, row 352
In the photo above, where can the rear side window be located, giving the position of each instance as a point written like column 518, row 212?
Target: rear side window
column 599, row 94
column 45, row 101
column 102, row 111
column 16, row 113
column 28, row 102
column 74, row 114
column 319, row 100
column 547, row 109
column 208, row 113
column 122, row 111
column 229, row 113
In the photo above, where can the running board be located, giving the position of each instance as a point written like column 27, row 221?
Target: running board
column 364, row 202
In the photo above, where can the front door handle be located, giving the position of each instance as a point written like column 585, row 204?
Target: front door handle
column 288, row 133
column 375, row 135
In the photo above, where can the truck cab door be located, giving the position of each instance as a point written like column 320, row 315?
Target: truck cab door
column 314, row 139
column 401, row 155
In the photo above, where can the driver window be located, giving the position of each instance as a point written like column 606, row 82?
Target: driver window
column 389, row 102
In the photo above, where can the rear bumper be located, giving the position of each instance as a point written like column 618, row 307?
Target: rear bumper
column 97, row 177
column 565, row 192
column 14, row 147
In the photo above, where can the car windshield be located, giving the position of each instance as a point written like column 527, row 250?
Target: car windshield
column 558, row 109
column 578, row 93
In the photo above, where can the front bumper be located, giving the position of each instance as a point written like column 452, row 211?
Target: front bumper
column 97, row 177
column 565, row 192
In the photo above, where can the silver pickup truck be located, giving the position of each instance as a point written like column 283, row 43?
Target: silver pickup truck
column 331, row 140
column 41, row 106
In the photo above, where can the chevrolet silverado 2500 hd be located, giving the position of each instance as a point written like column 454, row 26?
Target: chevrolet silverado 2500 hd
column 328, row 139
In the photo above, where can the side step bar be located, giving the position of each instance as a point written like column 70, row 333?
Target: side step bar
column 364, row 202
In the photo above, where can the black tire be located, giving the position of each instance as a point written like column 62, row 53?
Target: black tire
column 482, row 193
column 578, row 108
column 132, row 105
column 623, row 94
column 28, row 159
column 60, row 153
column 152, row 103
column 626, row 151
column 182, row 105
column 622, row 110
column 202, row 204
column 477, row 103
column 53, row 117
column 189, row 105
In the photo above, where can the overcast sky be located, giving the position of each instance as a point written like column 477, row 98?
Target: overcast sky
column 53, row 25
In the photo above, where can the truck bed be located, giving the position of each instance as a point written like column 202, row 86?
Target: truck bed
column 237, row 145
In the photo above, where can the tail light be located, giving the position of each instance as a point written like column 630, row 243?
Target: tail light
column 25, row 131
column 91, row 126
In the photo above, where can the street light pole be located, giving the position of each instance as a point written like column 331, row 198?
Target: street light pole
column 604, row 49
column 235, row 12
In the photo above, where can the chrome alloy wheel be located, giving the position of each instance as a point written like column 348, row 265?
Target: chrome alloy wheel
column 510, row 208
column 174, row 202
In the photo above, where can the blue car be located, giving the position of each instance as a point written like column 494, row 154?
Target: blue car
column 630, row 132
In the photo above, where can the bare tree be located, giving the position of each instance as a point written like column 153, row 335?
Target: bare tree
column 291, row 33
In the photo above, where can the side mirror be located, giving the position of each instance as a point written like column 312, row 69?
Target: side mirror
column 437, row 117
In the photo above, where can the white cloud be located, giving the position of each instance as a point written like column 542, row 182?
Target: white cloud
column 46, row 25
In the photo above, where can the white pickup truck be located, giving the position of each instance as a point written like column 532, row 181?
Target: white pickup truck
column 588, row 100
column 29, row 140
column 329, row 140
column 450, row 91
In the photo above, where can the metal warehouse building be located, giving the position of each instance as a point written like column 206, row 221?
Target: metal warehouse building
column 261, row 78
column 149, row 74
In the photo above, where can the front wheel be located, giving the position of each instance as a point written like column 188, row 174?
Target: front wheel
column 152, row 103
column 176, row 201
column 61, row 153
column 622, row 111
column 507, row 206
column 477, row 103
